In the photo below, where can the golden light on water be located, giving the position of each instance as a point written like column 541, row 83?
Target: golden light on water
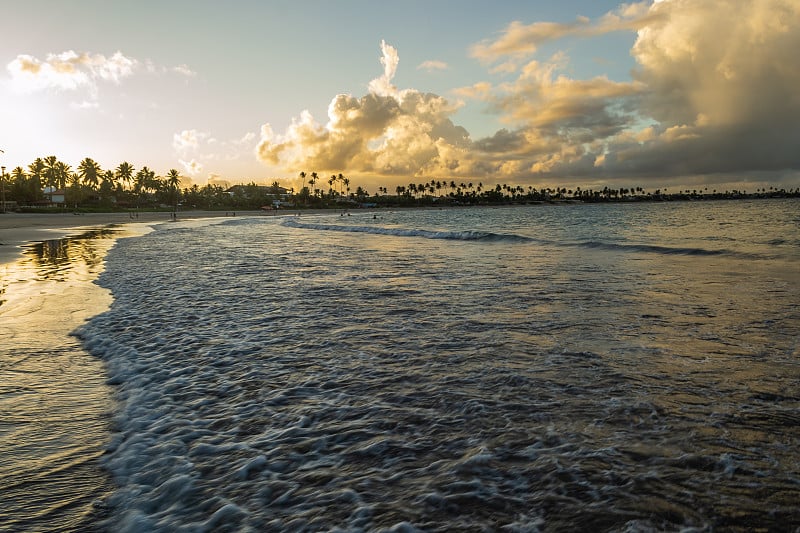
column 54, row 402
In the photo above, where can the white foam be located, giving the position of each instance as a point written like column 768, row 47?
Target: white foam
column 275, row 378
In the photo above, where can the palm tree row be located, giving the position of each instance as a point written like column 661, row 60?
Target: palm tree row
column 440, row 191
column 124, row 186
column 90, row 184
column 338, row 188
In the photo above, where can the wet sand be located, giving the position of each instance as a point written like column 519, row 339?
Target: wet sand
column 55, row 403
column 20, row 229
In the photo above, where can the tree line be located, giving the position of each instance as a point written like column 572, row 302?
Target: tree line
column 124, row 187
column 438, row 191
column 90, row 185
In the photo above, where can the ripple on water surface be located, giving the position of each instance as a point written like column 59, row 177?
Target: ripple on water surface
column 54, row 402
column 286, row 377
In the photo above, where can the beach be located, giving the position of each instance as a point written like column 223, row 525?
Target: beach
column 19, row 229
column 55, row 402
column 542, row 368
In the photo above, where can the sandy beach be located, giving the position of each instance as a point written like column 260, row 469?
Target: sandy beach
column 20, row 229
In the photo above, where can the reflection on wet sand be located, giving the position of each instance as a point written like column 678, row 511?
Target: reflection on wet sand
column 54, row 402
column 60, row 258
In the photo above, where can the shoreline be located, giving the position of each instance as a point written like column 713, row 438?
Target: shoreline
column 75, row 445
column 55, row 390
column 19, row 230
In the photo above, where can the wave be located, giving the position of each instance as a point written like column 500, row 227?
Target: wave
column 485, row 236
column 652, row 248
column 463, row 235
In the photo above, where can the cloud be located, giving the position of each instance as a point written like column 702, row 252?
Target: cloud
column 520, row 39
column 184, row 70
column 197, row 150
column 382, row 86
column 85, row 104
column 192, row 167
column 713, row 92
column 188, row 140
column 73, row 71
column 69, row 71
column 247, row 138
column 432, row 66
column 720, row 79
column 542, row 98
column 216, row 180
column 388, row 132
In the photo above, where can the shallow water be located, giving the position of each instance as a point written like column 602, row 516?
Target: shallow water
column 610, row 367
column 54, row 402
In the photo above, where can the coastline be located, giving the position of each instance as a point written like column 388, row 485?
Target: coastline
column 18, row 230
column 64, row 403
column 55, row 391
column 58, row 394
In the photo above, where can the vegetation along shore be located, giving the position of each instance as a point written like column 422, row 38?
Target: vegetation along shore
column 50, row 185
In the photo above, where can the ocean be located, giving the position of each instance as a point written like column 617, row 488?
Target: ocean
column 608, row 367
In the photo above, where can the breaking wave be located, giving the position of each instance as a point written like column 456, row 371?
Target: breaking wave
column 464, row 235
column 488, row 236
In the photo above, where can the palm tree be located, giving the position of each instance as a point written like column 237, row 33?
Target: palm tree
column 55, row 173
column 302, row 181
column 36, row 170
column 49, row 173
column 142, row 182
column 90, row 171
column 24, row 187
column 19, row 174
column 173, row 182
column 313, row 181
column 75, row 184
column 331, row 181
column 108, row 184
column 63, row 174
column 124, row 173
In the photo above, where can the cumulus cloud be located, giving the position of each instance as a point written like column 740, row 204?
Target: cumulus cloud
column 720, row 82
column 382, row 86
column 386, row 132
column 216, row 180
column 713, row 92
column 69, row 71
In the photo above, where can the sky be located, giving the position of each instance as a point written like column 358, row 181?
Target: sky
column 657, row 94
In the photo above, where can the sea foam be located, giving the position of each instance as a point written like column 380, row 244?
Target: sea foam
column 285, row 376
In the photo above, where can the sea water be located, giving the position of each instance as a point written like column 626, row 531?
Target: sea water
column 54, row 401
column 620, row 367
